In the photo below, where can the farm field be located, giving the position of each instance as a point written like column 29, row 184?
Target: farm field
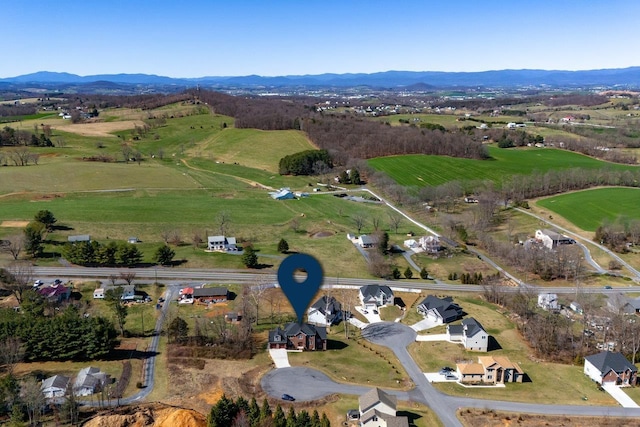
column 420, row 170
column 596, row 206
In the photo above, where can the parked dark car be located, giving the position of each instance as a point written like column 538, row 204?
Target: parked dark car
column 288, row 397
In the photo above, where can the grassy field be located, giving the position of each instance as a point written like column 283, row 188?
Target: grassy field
column 420, row 170
column 595, row 206
column 545, row 377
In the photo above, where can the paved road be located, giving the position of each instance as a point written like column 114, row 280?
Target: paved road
column 311, row 385
column 612, row 254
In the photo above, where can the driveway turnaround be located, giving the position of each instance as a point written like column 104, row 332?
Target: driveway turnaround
column 357, row 323
column 618, row 394
column 309, row 384
column 370, row 315
column 280, row 357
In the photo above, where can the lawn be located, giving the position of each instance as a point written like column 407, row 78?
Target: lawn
column 421, row 170
column 355, row 361
column 595, row 206
column 545, row 377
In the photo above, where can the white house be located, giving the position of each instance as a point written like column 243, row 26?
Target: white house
column 608, row 367
column 470, row 333
column 55, row 386
column 324, row 312
column 366, row 241
column 374, row 296
column 440, row 310
column 98, row 293
column 378, row 409
column 551, row 239
column 89, row 381
column 548, row 302
column 128, row 291
column 221, row 243
column 430, row 244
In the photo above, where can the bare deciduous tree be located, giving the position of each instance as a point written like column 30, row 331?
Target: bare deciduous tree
column 358, row 220
column 223, row 219
column 19, row 278
column 13, row 246
column 128, row 277
column 11, row 352
column 394, row 221
column 32, row 397
column 375, row 221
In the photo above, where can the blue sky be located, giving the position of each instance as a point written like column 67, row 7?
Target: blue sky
column 195, row 38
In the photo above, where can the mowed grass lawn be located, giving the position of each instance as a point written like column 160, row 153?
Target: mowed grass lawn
column 551, row 383
column 421, row 170
column 588, row 209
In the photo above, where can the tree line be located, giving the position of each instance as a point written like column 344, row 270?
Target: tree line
column 61, row 337
column 96, row 254
column 243, row 413
column 304, row 162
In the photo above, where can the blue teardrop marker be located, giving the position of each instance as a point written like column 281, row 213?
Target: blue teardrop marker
column 300, row 294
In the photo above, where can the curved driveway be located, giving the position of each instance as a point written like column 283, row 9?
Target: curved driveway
column 310, row 384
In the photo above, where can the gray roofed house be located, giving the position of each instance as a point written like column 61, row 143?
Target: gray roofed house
column 89, row 380
column 325, row 311
column 55, row 386
column 378, row 408
column 79, row 238
column 366, row 241
column 441, row 310
column 610, row 367
column 470, row 333
column 373, row 296
column 221, row 243
column 299, row 337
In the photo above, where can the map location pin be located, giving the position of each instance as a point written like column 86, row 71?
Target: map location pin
column 300, row 294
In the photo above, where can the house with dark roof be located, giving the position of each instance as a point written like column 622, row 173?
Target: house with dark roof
column 56, row 293
column 208, row 295
column 470, row 333
column 374, row 296
column 366, row 241
column 440, row 310
column 551, row 240
column 378, row 409
column 296, row 336
column 609, row 367
column 55, row 386
column 325, row 312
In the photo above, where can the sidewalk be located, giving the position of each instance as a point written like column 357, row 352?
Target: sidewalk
column 280, row 357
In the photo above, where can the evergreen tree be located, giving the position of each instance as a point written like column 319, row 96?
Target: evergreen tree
column 279, row 418
column 164, row 255
column 324, row 421
column 291, row 418
column 283, row 246
column 395, row 273
column 383, row 243
column 242, row 404
column 45, row 218
column 178, row 330
column 315, row 419
column 265, row 410
column 222, row 413
column 408, row 273
column 249, row 257
column 33, row 239
column 254, row 413
column 303, row 419
column 355, row 177
column 424, row 274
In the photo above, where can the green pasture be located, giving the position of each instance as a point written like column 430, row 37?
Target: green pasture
column 253, row 148
column 421, row 170
column 588, row 209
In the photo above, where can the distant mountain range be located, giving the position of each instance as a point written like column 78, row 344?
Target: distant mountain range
column 411, row 80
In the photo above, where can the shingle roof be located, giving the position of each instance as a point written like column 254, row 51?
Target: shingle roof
column 373, row 396
column 326, row 303
column 373, row 290
column 444, row 306
column 472, row 326
column 56, row 381
column 210, row 292
column 470, row 368
column 294, row 328
column 277, row 336
column 503, row 361
column 607, row 360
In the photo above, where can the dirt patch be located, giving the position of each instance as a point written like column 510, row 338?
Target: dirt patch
column 14, row 224
column 479, row 417
column 46, row 197
column 321, row 234
column 153, row 415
